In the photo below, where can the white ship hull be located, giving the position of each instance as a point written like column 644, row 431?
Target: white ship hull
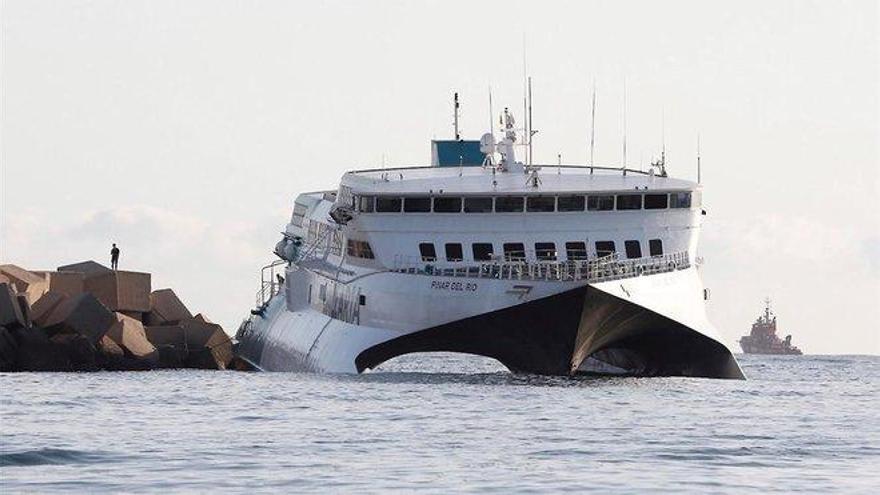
column 647, row 325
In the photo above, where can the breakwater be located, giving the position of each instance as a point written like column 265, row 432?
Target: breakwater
column 87, row 317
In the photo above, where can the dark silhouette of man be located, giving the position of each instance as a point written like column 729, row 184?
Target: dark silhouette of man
column 114, row 257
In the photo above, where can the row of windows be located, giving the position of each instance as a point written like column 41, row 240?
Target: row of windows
column 519, row 204
column 544, row 251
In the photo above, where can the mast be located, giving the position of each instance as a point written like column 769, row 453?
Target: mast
column 531, row 132
column 624, row 126
column 699, row 178
column 455, row 117
column 593, row 126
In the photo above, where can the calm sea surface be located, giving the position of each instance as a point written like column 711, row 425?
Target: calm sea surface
column 442, row 423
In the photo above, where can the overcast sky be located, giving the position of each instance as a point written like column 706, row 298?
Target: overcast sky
column 184, row 130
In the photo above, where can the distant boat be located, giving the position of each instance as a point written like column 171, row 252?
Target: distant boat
column 763, row 338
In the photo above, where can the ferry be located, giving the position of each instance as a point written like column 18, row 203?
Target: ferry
column 548, row 269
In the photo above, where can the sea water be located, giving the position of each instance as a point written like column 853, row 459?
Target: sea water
column 445, row 423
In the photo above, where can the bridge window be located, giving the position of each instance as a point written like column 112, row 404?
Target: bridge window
column 633, row 249
column 514, row 251
column 359, row 249
column 629, row 201
column 454, row 252
column 600, row 203
column 604, row 248
column 478, row 204
column 576, row 250
column 541, row 203
column 509, row 204
column 366, row 204
column 680, row 200
column 417, row 205
column 545, row 251
column 447, row 205
column 656, row 201
column 656, row 247
column 426, row 249
column 570, row 203
column 388, row 205
column 482, row 251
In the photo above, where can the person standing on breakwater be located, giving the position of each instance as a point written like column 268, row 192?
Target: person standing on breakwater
column 114, row 257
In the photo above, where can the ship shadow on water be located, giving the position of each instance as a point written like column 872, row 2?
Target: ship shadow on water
column 452, row 368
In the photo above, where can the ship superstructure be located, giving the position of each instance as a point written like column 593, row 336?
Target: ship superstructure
column 548, row 269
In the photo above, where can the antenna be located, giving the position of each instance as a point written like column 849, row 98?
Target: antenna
column 455, row 117
column 527, row 138
column 491, row 114
column 531, row 131
column 699, row 178
column 624, row 126
column 593, row 126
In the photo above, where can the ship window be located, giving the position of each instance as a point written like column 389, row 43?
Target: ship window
column 545, row 251
column 514, row 251
column 600, row 203
column 322, row 293
column 359, row 249
column 509, row 204
column 629, row 201
column 453, row 252
column 366, row 204
column 448, row 205
column 388, row 205
column 604, row 248
column 571, row 203
column 633, row 249
column 541, row 203
column 656, row 201
column 482, row 251
column 416, row 205
column 299, row 212
column 680, row 200
column 426, row 249
column 576, row 250
column 480, row 204
column 656, row 247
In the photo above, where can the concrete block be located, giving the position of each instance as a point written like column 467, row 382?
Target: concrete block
column 166, row 309
column 8, row 350
column 87, row 268
column 26, row 282
column 37, row 353
column 67, row 283
column 130, row 335
column 202, row 318
column 41, row 309
column 25, row 309
column 135, row 315
column 209, row 346
column 171, row 356
column 121, row 291
column 108, row 347
column 83, row 315
column 10, row 310
column 77, row 351
column 170, row 342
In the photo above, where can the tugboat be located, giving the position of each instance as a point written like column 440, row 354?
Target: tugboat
column 763, row 338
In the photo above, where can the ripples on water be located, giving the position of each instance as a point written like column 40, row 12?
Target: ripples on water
column 445, row 423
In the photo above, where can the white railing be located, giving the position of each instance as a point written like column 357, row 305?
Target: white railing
column 594, row 270
column 270, row 284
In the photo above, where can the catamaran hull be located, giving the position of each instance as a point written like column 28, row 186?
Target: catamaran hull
column 640, row 326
